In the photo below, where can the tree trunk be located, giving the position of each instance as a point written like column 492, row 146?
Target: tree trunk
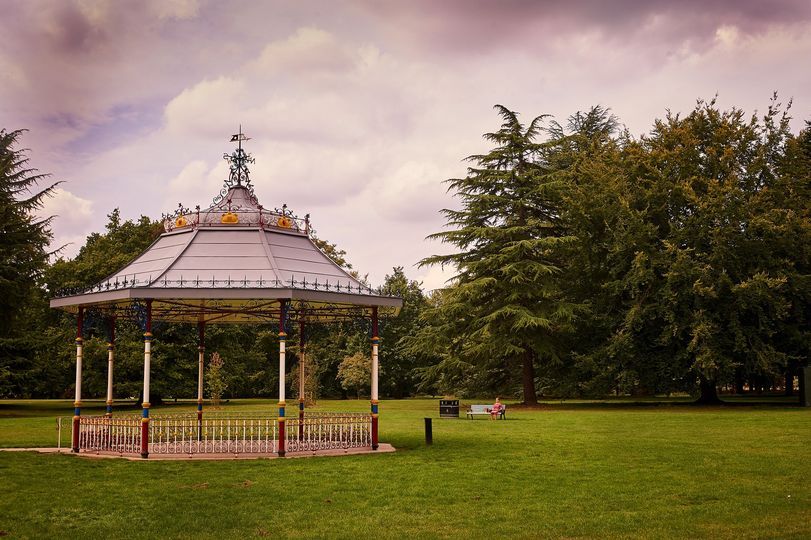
column 709, row 393
column 739, row 381
column 789, row 390
column 530, row 397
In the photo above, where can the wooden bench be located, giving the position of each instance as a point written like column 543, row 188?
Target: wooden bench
column 484, row 410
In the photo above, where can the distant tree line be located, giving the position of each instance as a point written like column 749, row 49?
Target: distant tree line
column 592, row 262
column 587, row 262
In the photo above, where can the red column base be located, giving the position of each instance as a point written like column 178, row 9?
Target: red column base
column 75, row 437
column 145, row 438
column 281, row 438
column 374, row 432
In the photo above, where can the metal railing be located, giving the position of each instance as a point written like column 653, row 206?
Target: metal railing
column 110, row 434
column 328, row 432
column 224, row 433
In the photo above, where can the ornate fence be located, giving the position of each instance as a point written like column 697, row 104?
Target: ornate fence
column 219, row 433
column 117, row 434
column 328, row 431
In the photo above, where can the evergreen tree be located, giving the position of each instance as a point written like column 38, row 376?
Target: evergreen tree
column 505, row 305
column 23, row 257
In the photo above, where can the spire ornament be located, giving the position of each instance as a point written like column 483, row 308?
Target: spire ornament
column 239, row 174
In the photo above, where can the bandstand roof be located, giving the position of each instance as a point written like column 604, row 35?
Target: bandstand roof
column 231, row 262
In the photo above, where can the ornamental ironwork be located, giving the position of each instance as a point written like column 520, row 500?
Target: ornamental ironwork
column 228, row 283
column 239, row 174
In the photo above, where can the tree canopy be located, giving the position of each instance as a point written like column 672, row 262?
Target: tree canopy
column 587, row 261
column 23, row 258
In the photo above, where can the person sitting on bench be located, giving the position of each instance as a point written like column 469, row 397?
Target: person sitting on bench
column 495, row 410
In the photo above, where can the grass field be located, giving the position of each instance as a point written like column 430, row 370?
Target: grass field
column 574, row 470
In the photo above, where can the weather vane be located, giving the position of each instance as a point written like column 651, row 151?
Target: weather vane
column 238, row 161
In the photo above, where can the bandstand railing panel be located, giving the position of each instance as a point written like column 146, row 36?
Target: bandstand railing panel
column 224, row 433
column 325, row 431
column 216, row 435
column 117, row 434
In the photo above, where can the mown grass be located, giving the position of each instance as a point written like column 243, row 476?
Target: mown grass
column 577, row 470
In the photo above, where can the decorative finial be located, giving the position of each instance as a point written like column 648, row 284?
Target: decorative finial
column 238, row 161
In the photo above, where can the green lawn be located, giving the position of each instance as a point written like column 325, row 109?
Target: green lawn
column 576, row 470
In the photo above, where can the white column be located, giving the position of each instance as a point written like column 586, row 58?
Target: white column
column 147, row 362
column 77, row 400
column 201, row 356
column 375, row 369
column 301, row 374
column 200, row 360
column 110, row 360
column 281, row 366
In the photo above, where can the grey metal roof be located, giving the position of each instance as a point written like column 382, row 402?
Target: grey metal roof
column 226, row 263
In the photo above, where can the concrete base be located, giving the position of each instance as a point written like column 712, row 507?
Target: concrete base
column 383, row 448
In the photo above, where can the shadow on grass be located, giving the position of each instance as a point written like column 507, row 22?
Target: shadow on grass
column 682, row 403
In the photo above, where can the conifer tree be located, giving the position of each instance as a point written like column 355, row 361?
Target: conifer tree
column 23, row 255
column 505, row 305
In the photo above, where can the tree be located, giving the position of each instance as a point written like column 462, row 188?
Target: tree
column 215, row 379
column 355, row 373
column 397, row 361
column 716, row 278
column 505, row 302
column 104, row 253
column 23, row 257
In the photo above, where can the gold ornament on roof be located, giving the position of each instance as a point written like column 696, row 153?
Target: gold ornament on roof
column 181, row 221
column 285, row 222
column 229, row 217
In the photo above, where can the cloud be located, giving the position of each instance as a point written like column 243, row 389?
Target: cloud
column 207, row 109
column 72, row 220
column 434, row 277
column 357, row 110
column 464, row 27
column 70, row 211
column 174, row 9
column 197, row 178
column 309, row 51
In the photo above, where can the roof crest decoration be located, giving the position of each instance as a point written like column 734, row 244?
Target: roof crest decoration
column 239, row 174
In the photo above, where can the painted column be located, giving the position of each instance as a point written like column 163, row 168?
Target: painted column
column 301, row 380
column 147, row 361
column 375, row 369
column 282, row 339
column 110, row 360
column 77, row 400
column 201, row 353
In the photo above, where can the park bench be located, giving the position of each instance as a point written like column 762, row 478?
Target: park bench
column 484, row 410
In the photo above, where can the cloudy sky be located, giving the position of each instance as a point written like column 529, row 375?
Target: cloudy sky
column 357, row 109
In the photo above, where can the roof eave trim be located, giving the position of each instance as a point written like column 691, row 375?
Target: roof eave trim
column 247, row 293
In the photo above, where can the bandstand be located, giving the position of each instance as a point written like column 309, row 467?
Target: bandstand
column 234, row 262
